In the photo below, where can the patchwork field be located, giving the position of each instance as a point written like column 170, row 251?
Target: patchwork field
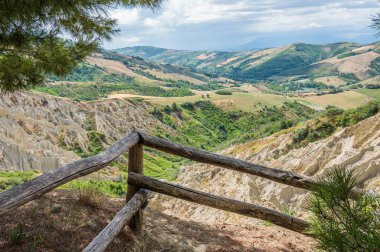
column 374, row 81
column 255, row 100
column 345, row 100
column 238, row 100
column 116, row 67
column 374, row 93
column 331, row 80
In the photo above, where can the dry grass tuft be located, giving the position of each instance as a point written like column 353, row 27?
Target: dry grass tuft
column 90, row 196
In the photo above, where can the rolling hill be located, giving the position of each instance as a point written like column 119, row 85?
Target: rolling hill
column 353, row 61
column 108, row 72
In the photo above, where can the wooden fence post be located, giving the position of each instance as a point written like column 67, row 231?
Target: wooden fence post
column 135, row 164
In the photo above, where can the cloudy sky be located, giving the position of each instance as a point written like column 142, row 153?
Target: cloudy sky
column 245, row 24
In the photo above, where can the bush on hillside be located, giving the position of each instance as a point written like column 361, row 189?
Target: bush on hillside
column 223, row 92
column 339, row 223
column 331, row 119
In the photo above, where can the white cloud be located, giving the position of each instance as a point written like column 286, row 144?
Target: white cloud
column 126, row 16
column 311, row 18
column 130, row 40
column 191, row 22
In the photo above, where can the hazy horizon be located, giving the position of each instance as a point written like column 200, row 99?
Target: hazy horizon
column 244, row 24
column 260, row 48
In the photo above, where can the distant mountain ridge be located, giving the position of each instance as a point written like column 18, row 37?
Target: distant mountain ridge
column 254, row 65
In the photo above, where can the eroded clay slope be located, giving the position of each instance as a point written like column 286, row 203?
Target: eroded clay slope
column 356, row 148
column 36, row 131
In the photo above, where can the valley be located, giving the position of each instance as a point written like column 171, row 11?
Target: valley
column 320, row 96
column 189, row 126
column 181, row 101
column 165, row 76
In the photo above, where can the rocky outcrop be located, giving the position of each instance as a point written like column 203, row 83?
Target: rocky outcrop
column 37, row 130
column 356, row 148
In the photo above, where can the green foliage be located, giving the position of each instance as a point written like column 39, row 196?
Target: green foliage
column 158, row 91
column 17, row 234
column 329, row 121
column 77, row 149
column 288, row 211
column 189, row 85
column 90, row 92
column 291, row 86
column 373, row 93
column 350, row 78
column 339, row 223
column 147, row 74
column 83, row 92
column 9, row 179
column 375, row 66
column 204, row 125
column 107, row 187
column 95, row 142
column 51, row 37
column 92, row 73
column 348, row 54
column 300, row 135
column 160, row 166
column 353, row 116
column 223, row 92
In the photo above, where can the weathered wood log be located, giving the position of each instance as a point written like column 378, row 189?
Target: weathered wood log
column 32, row 189
column 135, row 164
column 281, row 176
column 123, row 217
column 247, row 209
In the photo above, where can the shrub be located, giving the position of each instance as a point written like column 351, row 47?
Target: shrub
column 223, row 92
column 17, row 234
column 95, row 142
column 188, row 106
column 300, row 135
column 90, row 196
column 339, row 223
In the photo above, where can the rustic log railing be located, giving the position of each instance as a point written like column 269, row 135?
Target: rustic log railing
column 138, row 185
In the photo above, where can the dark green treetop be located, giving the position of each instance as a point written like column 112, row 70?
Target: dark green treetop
column 41, row 37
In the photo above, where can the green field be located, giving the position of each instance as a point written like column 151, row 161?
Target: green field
column 238, row 100
column 374, row 93
column 344, row 100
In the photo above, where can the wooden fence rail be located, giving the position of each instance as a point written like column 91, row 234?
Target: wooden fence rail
column 21, row 194
column 124, row 216
column 281, row 176
column 235, row 206
column 136, row 196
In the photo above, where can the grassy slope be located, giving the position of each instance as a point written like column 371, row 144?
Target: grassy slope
column 374, row 93
column 244, row 101
column 242, row 65
column 345, row 100
column 201, row 125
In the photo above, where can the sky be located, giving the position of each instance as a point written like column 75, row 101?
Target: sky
column 245, row 24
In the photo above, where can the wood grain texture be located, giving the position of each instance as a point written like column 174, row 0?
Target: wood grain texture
column 123, row 217
column 280, row 176
column 135, row 164
column 32, row 189
column 235, row 206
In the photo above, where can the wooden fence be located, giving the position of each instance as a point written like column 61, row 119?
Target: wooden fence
column 138, row 185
